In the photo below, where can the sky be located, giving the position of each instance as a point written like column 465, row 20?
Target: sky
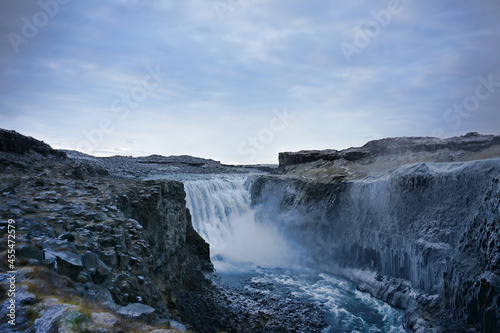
column 240, row 80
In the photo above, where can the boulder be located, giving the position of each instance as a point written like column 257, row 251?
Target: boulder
column 94, row 265
column 68, row 263
column 67, row 236
column 47, row 320
column 137, row 311
column 29, row 252
column 90, row 262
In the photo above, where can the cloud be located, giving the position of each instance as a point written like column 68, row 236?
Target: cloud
column 231, row 63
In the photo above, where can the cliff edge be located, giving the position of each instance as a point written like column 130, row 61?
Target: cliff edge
column 381, row 156
column 422, row 236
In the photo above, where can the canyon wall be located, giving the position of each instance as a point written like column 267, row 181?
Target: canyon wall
column 423, row 237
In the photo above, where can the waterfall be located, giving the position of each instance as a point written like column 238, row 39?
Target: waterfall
column 215, row 203
column 222, row 214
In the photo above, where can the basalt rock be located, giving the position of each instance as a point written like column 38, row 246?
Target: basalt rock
column 424, row 237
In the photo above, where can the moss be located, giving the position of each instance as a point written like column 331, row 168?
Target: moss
column 75, row 320
column 32, row 315
column 47, row 284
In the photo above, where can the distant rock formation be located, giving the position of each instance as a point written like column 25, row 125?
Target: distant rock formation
column 471, row 142
column 381, row 156
column 13, row 142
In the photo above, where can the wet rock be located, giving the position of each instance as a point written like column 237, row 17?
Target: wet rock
column 423, row 237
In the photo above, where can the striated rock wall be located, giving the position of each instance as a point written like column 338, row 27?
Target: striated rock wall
column 423, row 237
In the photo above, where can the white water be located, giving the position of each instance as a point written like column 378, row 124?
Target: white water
column 245, row 251
column 222, row 214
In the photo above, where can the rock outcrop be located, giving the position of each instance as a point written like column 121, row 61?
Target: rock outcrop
column 13, row 142
column 422, row 237
column 119, row 241
column 93, row 250
column 381, row 156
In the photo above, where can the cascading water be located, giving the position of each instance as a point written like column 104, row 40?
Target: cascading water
column 258, row 259
column 222, row 214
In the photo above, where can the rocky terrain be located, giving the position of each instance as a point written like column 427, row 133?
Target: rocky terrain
column 99, row 250
column 379, row 157
column 95, row 253
column 140, row 167
column 413, row 221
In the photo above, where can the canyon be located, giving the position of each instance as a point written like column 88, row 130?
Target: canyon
column 109, row 244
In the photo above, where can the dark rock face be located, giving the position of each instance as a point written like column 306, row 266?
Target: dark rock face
column 114, row 241
column 423, row 238
column 13, row 142
column 471, row 142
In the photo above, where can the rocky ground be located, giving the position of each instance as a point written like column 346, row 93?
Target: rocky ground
column 84, row 260
column 140, row 167
column 100, row 250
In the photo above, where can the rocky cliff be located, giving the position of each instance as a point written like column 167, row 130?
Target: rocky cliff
column 421, row 236
column 119, row 249
column 381, row 156
column 97, row 251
